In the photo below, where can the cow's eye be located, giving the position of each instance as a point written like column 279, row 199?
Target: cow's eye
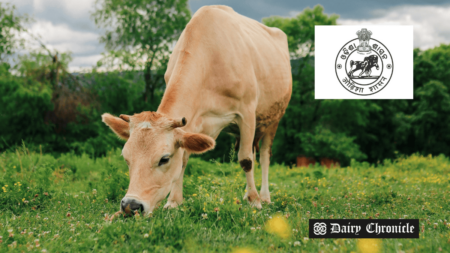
column 164, row 160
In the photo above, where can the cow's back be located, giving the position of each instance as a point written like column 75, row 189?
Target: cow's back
column 237, row 60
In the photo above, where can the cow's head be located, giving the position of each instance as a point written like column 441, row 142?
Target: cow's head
column 154, row 154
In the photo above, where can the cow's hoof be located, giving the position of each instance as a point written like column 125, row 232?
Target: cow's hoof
column 253, row 198
column 171, row 204
column 265, row 197
column 256, row 204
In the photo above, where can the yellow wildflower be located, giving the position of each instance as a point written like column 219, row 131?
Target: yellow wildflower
column 243, row 250
column 278, row 225
column 369, row 245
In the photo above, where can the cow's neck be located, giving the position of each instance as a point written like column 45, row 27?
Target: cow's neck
column 181, row 99
column 185, row 96
column 197, row 110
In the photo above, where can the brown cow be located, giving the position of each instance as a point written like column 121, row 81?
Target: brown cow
column 227, row 72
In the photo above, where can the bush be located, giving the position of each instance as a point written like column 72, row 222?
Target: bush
column 24, row 104
column 324, row 143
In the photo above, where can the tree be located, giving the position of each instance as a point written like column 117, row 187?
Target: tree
column 10, row 25
column 300, row 29
column 139, row 34
column 426, row 118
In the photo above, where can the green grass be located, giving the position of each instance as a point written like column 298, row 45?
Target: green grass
column 53, row 200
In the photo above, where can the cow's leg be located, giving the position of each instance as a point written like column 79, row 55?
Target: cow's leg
column 264, row 160
column 176, row 194
column 252, row 171
column 245, row 156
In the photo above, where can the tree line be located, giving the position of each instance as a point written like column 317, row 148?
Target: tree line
column 47, row 107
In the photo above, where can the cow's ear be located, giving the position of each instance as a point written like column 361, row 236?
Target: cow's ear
column 195, row 143
column 117, row 125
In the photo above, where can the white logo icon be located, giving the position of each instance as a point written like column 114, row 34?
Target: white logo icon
column 320, row 228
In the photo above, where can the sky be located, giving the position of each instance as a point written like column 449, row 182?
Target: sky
column 66, row 25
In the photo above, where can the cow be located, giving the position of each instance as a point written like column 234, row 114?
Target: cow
column 226, row 73
column 365, row 66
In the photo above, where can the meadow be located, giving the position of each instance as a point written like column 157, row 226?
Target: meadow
column 65, row 204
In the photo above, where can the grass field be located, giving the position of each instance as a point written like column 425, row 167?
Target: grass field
column 65, row 205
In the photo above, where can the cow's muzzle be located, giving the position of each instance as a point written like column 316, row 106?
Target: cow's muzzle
column 130, row 206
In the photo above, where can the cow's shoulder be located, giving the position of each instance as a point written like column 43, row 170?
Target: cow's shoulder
column 215, row 8
column 206, row 14
column 274, row 32
column 210, row 15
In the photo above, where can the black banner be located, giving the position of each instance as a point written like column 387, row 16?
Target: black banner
column 367, row 228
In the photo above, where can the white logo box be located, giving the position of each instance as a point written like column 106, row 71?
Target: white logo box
column 345, row 68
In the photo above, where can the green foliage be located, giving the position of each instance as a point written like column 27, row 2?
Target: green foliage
column 224, row 145
column 141, row 23
column 38, row 64
column 428, row 115
column 335, row 123
column 121, row 92
column 138, row 34
column 24, row 104
column 117, row 93
column 66, row 116
column 378, row 129
column 324, row 143
column 43, row 104
column 419, row 125
column 300, row 29
column 430, row 121
column 10, row 25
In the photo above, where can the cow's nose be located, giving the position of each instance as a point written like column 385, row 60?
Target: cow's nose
column 129, row 206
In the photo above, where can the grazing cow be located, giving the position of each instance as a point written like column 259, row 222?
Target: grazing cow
column 365, row 66
column 227, row 72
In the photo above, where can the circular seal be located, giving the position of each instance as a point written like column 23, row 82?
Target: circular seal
column 364, row 70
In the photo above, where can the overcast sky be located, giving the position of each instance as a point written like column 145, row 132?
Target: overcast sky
column 66, row 24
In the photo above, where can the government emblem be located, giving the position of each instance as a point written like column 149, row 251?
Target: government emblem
column 364, row 65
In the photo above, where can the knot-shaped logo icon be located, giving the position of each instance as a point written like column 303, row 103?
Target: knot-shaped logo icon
column 320, row 228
